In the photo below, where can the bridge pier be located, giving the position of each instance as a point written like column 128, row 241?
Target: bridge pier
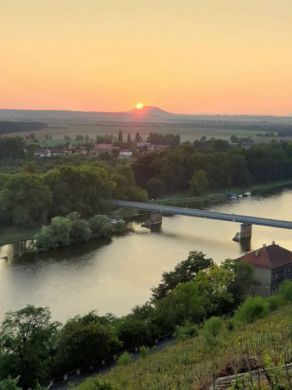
column 245, row 232
column 154, row 221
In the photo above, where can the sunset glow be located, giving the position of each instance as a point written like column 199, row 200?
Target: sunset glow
column 195, row 57
column 139, row 106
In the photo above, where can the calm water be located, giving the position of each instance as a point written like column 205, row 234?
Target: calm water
column 117, row 276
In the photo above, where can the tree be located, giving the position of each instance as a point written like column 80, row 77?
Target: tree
column 26, row 340
column 244, row 278
column 84, row 341
column 198, row 182
column 80, row 230
column 155, row 188
column 120, row 136
column 24, row 200
column 252, row 309
column 100, row 226
column 185, row 271
column 9, row 384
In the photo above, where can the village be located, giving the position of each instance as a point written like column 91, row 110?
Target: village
column 103, row 147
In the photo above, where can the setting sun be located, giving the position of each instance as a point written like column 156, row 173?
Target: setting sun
column 139, row 106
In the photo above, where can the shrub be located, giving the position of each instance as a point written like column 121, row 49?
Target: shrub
column 213, row 329
column 186, row 331
column 125, row 359
column 274, row 302
column 285, row 291
column 252, row 309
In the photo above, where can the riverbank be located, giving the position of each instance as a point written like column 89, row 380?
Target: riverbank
column 11, row 235
column 184, row 198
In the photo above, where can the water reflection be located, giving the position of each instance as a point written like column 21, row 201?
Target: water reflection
column 114, row 277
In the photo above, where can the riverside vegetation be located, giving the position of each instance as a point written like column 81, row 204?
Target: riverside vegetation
column 33, row 348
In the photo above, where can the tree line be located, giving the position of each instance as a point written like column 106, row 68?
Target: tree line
column 17, row 127
column 30, row 198
column 212, row 165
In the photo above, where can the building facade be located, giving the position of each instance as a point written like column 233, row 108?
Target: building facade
column 272, row 265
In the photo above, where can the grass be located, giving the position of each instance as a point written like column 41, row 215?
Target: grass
column 10, row 235
column 193, row 363
column 184, row 198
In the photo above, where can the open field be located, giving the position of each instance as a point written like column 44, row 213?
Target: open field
column 187, row 132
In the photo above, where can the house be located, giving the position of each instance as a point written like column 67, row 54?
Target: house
column 126, row 154
column 103, row 148
column 272, row 264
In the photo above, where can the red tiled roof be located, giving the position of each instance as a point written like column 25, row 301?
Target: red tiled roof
column 270, row 256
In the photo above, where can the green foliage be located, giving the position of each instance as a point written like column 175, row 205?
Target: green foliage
column 213, row 329
column 134, row 332
column 125, row 359
column 198, row 182
column 193, row 362
column 96, row 384
column 186, row 331
column 100, row 226
column 9, row 384
column 285, row 291
column 30, row 197
column 84, row 341
column 252, row 309
column 24, row 200
column 64, row 231
column 155, row 188
column 184, row 271
column 25, row 339
column 244, row 278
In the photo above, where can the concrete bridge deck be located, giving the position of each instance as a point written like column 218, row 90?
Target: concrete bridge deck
column 243, row 219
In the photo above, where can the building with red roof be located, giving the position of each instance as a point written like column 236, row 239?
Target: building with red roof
column 272, row 264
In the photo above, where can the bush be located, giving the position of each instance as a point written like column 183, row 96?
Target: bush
column 125, row 359
column 213, row 329
column 252, row 309
column 186, row 331
column 274, row 302
column 285, row 291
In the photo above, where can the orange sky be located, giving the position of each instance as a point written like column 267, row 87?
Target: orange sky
column 211, row 56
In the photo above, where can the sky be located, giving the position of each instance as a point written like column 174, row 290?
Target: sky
column 185, row 56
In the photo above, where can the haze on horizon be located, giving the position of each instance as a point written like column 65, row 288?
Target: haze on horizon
column 211, row 56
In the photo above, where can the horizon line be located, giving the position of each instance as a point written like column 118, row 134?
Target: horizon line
column 147, row 107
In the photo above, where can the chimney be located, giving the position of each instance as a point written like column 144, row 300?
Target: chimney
column 264, row 245
column 273, row 243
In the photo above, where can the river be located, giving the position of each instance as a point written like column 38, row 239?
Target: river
column 114, row 277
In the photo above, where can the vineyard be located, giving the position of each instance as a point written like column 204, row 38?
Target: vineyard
column 264, row 346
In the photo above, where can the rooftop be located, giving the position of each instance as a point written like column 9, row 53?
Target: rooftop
column 269, row 256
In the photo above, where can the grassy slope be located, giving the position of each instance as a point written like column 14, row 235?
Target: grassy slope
column 189, row 363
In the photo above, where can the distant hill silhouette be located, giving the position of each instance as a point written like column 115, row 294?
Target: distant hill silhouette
column 150, row 114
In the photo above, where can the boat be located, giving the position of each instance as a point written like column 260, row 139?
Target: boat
column 236, row 237
column 232, row 196
column 247, row 194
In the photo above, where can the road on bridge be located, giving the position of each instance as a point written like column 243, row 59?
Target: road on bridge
column 244, row 219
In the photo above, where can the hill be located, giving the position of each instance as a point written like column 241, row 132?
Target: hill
column 193, row 363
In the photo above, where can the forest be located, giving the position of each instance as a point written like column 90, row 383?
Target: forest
column 212, row 164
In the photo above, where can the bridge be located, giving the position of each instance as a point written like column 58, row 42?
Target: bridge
column 245, row 220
